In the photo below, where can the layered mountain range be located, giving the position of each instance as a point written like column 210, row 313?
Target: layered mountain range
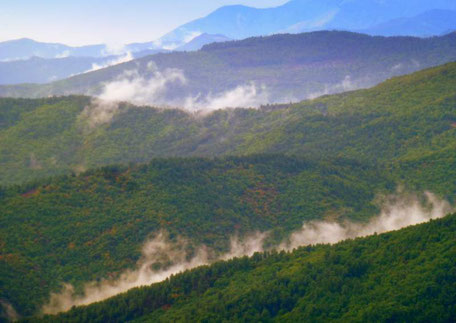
column 251, row 165
column 255, row 71
column 19, row 63
column 298, row 16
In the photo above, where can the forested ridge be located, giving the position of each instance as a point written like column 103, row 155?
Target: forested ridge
column 271, row 169
column 102, row 217
column 403, row 276
column 402, row 123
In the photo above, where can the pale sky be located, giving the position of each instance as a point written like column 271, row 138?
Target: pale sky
column 82, row 22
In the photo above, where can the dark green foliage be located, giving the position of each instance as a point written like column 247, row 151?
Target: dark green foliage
column 404, row 276
column 79, row 228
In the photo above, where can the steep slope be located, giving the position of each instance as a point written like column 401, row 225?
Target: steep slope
column 406, row 275
column 78, row 229
column 239, row 22
column 429, row 23
column 402, row 120
column 280, row 68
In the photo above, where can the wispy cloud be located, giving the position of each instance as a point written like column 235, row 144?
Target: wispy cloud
column 347, row 84
column 244, row 96
column 151, row 88
column 119, row 60
column 170, row 257
column 398, row 212
column 132, row 87
column 63, row 54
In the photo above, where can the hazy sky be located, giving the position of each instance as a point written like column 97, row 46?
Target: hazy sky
column 79, row 22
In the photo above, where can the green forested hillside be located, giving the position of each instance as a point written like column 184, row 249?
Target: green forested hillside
column 403, row 276
column 400, row 123
column 74, row 229
column 332, row 156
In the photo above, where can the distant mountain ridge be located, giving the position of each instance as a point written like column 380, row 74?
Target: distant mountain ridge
column 387, row 17
column 44, row 70
column 298, row 16
column 28, row 61
column 25, row 48
column 429, row 23
column 288, row 67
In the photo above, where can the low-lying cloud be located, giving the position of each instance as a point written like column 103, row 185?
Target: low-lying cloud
column 118, row 60
column 249, row 95
column 152, row 87
column 397, row 213
column 188, row 36
column 131, row 87
column 162, row 257
column 347, row 84
column 159, row 251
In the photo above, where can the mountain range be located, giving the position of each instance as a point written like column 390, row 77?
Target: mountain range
column 429, row 23
column 420, row 18
column 299, row 16
column 25, row 48
column 279, row 68
column 45, row 70
column 46, row 65
column 20, row 61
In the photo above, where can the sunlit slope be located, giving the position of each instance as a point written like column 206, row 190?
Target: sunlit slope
column 403, row 119
column 78, row 229
column 407, row 275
